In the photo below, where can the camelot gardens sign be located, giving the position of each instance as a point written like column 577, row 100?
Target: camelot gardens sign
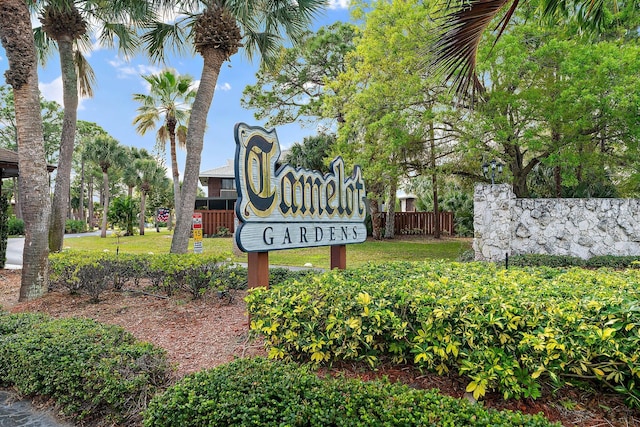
column 292, row 207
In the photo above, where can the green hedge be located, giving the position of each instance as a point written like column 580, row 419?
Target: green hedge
column 96, row 272
column 541, row 260
column 16, row 227
column 257, row 392
column 505, row 330
column 93, row 371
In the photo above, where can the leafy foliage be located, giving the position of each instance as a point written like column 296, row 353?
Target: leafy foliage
column 257, row 392
column 93, row 371
column 542, row 260
column 15, row 226
column 4, row 228
column 505, row 330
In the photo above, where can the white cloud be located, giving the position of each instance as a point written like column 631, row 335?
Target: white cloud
column 125, row 70
column 225, row 87
column 339, row 4
column 52, row 91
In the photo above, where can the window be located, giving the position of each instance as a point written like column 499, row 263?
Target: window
column 228, row 184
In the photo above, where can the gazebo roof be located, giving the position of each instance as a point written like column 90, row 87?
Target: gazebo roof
column 9, row 164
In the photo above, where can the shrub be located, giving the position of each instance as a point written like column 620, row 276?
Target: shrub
column 93, row 371
column 256, row 392
column 505, row 330
column 75, row 226
column 16, row 227
column 608, row 261
column 4, row 228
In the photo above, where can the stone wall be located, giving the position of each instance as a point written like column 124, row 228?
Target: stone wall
column 504, row 224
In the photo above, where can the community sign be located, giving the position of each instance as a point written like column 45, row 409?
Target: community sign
column 293, row 207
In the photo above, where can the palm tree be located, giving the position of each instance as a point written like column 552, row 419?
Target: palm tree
column 130, row 170
column 170, row 97
column 150, row 175
column 22, row 75
column 106, row 152
column 65, row 25
column 217, row 29
column 456, row 49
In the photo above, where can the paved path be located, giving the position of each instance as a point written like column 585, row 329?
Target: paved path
column 22, row 414
column 15, row 245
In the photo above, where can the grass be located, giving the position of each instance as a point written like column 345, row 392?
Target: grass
column 357, row 255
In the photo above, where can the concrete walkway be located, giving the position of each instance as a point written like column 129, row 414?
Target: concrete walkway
column 21, row 413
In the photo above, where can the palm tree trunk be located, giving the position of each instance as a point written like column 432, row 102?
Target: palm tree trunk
column 105, row 206
column 17, row 39
column 143, row 199
column 174, row 164
column 90, row 203
column 213, row 60
column 81, row 205
column 67, row 139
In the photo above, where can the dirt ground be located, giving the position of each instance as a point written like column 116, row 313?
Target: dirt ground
column 208, row 332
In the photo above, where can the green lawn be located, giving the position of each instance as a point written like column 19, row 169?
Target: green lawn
column 358, row 254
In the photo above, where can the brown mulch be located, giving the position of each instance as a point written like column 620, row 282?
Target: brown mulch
column 200, row 334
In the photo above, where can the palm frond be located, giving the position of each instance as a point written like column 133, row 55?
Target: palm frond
column 181, row 136
column 262, row 43
column 86, row 75
column 44, row 45
column 457, row 48
column 127, row 40
column 160, row 35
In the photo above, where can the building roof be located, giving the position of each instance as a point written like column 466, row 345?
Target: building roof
column 9, row 164
column 226, row 171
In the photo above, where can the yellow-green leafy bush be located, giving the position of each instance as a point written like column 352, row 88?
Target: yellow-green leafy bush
column 506, row 330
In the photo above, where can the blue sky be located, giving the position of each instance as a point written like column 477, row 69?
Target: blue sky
column 112, row 106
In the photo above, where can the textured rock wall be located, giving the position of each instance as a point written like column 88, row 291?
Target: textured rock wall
column 575, row 227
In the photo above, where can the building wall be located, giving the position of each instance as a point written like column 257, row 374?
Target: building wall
column 213, row 187
column 504, row 224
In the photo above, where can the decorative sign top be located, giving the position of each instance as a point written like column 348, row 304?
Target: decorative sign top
column 293, row 207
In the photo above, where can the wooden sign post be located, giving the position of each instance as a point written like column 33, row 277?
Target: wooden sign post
column 292, row 207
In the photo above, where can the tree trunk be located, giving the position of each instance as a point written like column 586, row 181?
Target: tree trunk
column 81, row 205
column 376, row 223
column 143, row 200
column 434, row 183
column 17, row 38
column 60, row 205
column 105, row 206
column 90, row 205
column 213, row 60
column 390, row 226
column 171, row 126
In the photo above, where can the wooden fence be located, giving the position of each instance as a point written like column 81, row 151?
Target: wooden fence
column 421, row 223
column 213, row 220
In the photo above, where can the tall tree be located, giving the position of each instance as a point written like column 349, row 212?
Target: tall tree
column 313, row 151
column 463, row 28
column 169, row 100
column 86, row 131
column 216, row 33
column 65, row 25
column 150, row 176
column 389, row 109
column 51, row 123
column 107, row 153
column 18, row 42
column 293, row 88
